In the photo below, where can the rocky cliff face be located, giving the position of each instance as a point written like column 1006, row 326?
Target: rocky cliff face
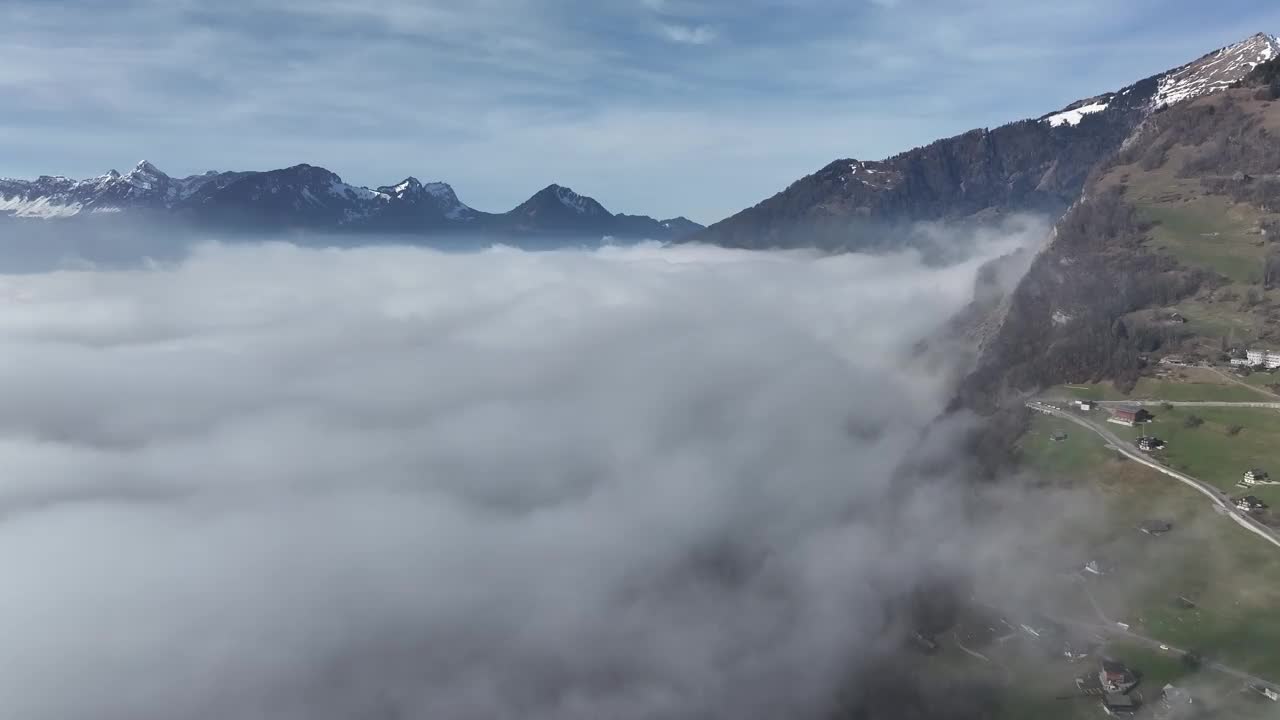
column 1032, row 165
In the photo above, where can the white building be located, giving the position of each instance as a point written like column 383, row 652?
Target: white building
column 1255, row 476
column 1264, row 357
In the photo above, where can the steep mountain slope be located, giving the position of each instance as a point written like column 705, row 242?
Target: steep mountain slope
column 1038, row 165
column 1172, row 248
column 305, row 197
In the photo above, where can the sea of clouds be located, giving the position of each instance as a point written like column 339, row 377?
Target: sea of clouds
column 266, row 481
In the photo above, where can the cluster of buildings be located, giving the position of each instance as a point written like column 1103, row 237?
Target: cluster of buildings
column 1258, row 358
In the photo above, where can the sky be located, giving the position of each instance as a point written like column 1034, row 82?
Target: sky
column 661, row 107
column 639, row 482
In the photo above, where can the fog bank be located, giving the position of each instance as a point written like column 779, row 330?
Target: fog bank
column 646, row 482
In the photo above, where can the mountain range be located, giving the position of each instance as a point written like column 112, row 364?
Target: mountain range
column 305, row 197
column 1038, row 164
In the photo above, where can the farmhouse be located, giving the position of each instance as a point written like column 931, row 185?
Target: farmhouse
column 1116, row 678
column 1148, row 444
column 1174, row 703
column 1156, row 527
column 1249, row 503
column 1255, row 476
column 1121, row 704
column 1085, row 405
column 1128, row 416
column 1266, row 358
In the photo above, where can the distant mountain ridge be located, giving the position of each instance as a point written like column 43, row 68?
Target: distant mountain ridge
column 1037, row 164
column 306, row 197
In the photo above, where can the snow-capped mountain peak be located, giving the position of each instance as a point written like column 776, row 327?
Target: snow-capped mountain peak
column 408, row 185
column 570, row 199
column 144, row 167
column 1217, row 70
column 310, row 197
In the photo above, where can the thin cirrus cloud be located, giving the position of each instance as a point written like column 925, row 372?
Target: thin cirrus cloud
column 492, row 96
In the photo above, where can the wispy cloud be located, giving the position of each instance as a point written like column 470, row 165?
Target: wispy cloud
column 689, row 34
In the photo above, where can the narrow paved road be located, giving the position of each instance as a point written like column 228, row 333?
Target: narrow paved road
column 1238, row 381
column 1190, row 403
column 1222, row 504
column 1110, row 627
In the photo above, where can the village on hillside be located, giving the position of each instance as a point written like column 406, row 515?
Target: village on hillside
column 1182, row 623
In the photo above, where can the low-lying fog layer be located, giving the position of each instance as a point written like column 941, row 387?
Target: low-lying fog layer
column 272, row 482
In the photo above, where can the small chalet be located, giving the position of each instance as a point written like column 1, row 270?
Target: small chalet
column 1250, row 503
column 1255, row 476
column 1085, row 405
column 1148, row 444
column 1121, row 704
column 1156, row 527
column 1129, row 416
column 1174, row 703
column 1116, row 678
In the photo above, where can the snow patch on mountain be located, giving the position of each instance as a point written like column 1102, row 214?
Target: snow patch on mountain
column 1074, row 116
column 39, row 207
column 572, row 200
column 338, row 188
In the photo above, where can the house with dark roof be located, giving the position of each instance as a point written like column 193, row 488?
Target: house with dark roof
column 1250, row 503
column 1155, row 527
column 1121, row 704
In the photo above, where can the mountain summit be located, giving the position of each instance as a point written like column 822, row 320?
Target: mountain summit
column 306, row 197
column 1031, row 165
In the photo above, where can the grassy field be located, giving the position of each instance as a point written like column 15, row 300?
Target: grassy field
column 1210, row 452
column 1079, row 453
column 1155, row 389
column 1262, row 379
column 1212, row 320
column 1209, row 232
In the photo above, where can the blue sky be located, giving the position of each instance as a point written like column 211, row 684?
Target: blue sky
column 664, row 107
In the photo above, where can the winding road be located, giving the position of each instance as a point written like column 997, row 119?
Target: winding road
column 1221, row 503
